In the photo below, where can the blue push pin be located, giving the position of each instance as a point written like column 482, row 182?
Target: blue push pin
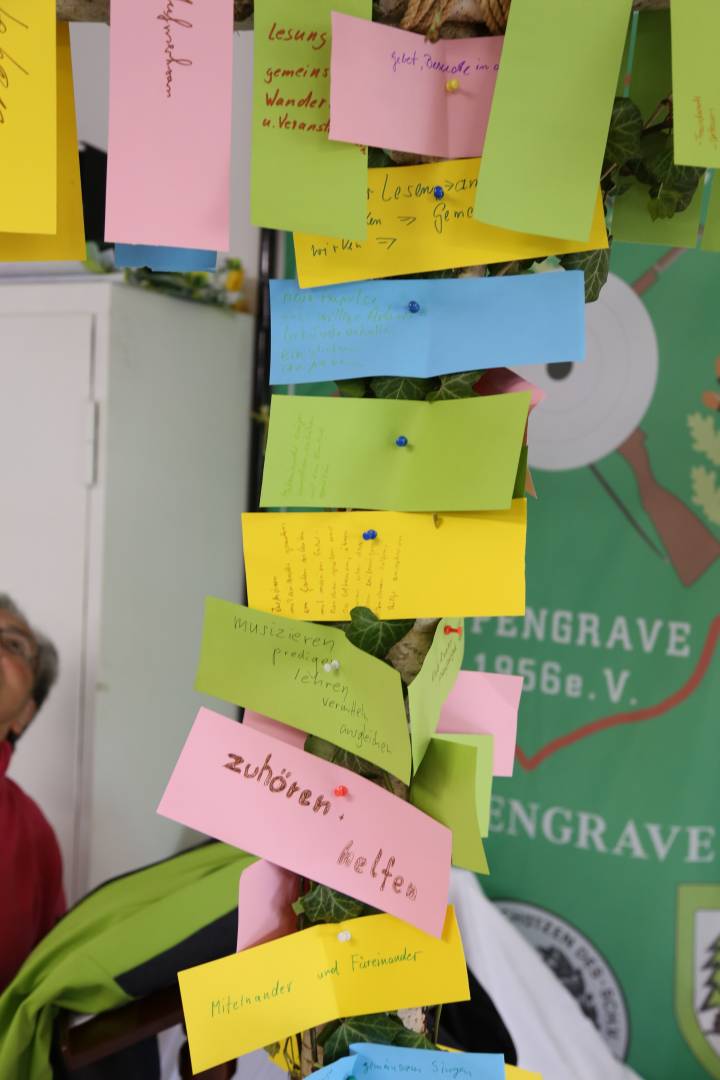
column 401, row 440
column 370, row 534
column 413, row 307
column 439, row 192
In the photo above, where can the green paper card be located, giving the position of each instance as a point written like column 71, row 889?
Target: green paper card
column 696, row 82
column 300, row 181
column 342, row 452
column 550, row 116
column 453, row 786
column 651, row 81
column 433, row 683
column 275, row 666
column 711, row 233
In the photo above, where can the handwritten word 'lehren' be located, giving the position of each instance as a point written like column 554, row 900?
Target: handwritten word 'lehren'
column 6, row 59
column 170, row 58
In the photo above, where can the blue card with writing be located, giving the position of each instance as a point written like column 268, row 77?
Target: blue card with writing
column 169, row 259
column 382, row 1061
column 425, row 327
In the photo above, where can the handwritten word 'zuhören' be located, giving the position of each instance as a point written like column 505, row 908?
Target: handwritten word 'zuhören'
column 170, row 58
column 277, row 783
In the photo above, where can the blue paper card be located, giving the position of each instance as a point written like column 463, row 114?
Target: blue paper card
column 425, row 327
column 377, row 1061
column 171, row 259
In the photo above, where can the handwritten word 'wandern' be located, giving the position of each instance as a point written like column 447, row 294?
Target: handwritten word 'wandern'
column 6, row 59
column 168, row 18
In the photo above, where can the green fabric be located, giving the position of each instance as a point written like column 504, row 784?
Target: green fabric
column 111, row 931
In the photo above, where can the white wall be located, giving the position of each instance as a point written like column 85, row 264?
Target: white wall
column 90, row 44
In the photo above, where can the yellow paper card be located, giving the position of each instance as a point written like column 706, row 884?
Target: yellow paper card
column 28, row 117
column 318, row 566
column 513, row 1073
column 259, row 996
column 69, row 240
column 410, row 230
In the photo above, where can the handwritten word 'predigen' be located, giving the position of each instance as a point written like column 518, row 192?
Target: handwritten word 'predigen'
column 5, row 58
column 170, row 58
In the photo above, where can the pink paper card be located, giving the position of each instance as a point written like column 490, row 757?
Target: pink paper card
column 311, row 817
column 481, row 703
column 168, row 179
column 282, row 732
column 393, row 88
column 265, row 898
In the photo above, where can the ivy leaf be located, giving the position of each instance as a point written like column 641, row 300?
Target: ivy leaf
column 379, row 1028
column 416, row 1039
column 373, row 635
column 626, row 125
column 378, row 159
column 594, row 264
column 324, row 905
column 403, row 387
column 320, row 747
column 457, row 385
column 352, row 387
column 667, row 203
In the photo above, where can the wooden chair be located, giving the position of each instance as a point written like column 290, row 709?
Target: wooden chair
column 93, row 1040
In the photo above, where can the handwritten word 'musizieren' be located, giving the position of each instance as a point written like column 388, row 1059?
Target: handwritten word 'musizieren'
column 6, row 58
column 170, row 58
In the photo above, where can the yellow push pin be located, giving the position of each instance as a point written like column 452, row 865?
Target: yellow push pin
column 452, row 85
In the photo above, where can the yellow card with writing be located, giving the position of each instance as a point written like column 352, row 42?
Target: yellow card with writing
column 69, row 240
column 28, row 117
column 411, row 230
column 259, row 996
column 319, row 566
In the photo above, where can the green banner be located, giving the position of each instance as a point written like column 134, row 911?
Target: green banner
column 612, row 815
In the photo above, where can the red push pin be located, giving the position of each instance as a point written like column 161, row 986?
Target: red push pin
column 453, row 630
column 340, row 790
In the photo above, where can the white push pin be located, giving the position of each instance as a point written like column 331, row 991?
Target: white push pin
column 331, row 665
column 344, row 935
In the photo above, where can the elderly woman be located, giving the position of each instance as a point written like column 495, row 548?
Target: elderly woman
column 31, row 890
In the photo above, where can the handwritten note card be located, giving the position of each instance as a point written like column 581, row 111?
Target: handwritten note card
column 378, row 1060
column 277, row 667
column 695, row 27
column 173, row 260
column 250, row 999
column 348, row 331
column 68, row 241
column 482, row 703
column 453, row 785
column 317, row 566
column 278, row 802
column 550, row 116
column 433, row 683
column 459, row 455
column 265, row 897
column 301, row 180
column 28, row 117
column 410, row 230
column 168, row 180
column 389, row 88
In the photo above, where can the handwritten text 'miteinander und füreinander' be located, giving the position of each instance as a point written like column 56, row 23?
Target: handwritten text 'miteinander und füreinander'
column 9, row 62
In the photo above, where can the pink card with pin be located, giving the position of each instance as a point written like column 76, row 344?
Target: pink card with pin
column 311, row 817
column 168, row 178
column 394, row 88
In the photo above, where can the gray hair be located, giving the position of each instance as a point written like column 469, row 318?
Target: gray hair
column 47, row 665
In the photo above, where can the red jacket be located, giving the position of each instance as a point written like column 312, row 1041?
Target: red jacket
column 31, row 889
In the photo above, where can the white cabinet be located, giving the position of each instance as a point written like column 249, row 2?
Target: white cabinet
column 124, row 434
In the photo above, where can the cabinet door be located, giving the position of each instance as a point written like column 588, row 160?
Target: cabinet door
column 45, row 383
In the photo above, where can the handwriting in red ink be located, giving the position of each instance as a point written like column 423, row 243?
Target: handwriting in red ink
column 170, row 58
